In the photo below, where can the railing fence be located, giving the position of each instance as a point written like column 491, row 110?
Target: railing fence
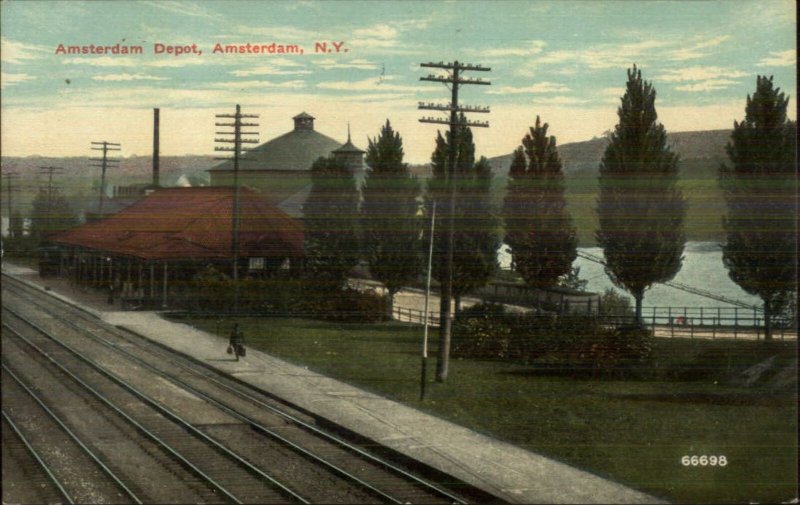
column 700, row 322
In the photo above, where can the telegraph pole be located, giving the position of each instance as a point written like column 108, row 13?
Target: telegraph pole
column 104, row 163
column 9, row 178
column 237, row 150
column 454, row 80
column 49, row 171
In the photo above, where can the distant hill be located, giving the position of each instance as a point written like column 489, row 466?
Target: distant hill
column 700, row 155
column 79, row 180
column 132, row 170
column 585, row 156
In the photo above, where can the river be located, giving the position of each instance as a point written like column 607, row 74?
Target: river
column 702, row 268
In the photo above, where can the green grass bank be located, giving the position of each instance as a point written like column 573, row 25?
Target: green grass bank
column 632, row 431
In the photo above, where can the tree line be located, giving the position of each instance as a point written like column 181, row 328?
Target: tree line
column 640, row 207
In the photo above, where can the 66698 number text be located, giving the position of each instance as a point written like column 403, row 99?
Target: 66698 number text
column 704, row 460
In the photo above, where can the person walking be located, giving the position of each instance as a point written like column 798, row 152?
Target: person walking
column 236, row 343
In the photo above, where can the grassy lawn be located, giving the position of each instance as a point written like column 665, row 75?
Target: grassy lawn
column 632, row 431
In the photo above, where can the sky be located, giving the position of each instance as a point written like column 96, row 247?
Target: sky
column 565, row 61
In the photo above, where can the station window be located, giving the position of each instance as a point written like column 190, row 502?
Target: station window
column 256, row 263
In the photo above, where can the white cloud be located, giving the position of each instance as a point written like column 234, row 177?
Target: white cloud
column 183, row 61
column 531, row 48
column 267, row 70
column 624, row 55
column 114, row 61
column 610, row 95
column 102, row 61
column 128, row 77
column 296, row 84
column 695, row 50
column 385, row 38
column 541, row 87
column 559, row 100
column 19, row 52
column 604, row 56
column 702, row 78
column 381, row 31
column 371, row 84
column 699, row 73
column 779, row 59
column 7, row 79
column 184, row 8
column 708, row 85
column 281, row 34
column 360, row 64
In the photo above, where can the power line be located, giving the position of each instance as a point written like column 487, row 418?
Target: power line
column 683, row 287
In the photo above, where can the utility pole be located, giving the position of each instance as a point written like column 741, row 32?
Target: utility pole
column 156, row 153
column 237, row 150
column 454, row 80
column 104, row 163
column 8, row 180
column 49, row 171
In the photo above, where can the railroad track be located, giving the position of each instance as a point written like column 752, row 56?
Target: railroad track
column 22, row 464
column 315, row 465
column 125, row 428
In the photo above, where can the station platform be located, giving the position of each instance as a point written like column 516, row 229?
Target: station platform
column 503, row 470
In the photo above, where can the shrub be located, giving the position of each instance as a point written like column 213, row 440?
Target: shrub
column 576, row 345
column 347, row 305
column 481, row 331
column 612, row 303
column 212, row 290
column 620, row 352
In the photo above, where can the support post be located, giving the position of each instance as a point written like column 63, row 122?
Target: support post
column 671, row 322
column 423, row 378
column 164, row 300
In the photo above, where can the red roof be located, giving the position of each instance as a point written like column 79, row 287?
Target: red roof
column 194, row 224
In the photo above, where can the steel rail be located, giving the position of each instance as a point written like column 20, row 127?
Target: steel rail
column 165, row 411
column 252, row 422
column 74, row 437
column 128, row 418
column 243, row 395
column 38, row 459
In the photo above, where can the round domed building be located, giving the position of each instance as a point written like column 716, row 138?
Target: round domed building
column 280, row 169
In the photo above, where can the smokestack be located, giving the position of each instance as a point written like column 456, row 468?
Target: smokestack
column 155, row 149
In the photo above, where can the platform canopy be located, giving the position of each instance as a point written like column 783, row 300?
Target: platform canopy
column 191, row 224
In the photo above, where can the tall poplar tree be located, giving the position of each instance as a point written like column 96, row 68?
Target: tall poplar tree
column 330, row 216
column 476, row 235
column 389, row 215
column 640, row 208
column 539, row 230
column 476, row 228
column 760, row 190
